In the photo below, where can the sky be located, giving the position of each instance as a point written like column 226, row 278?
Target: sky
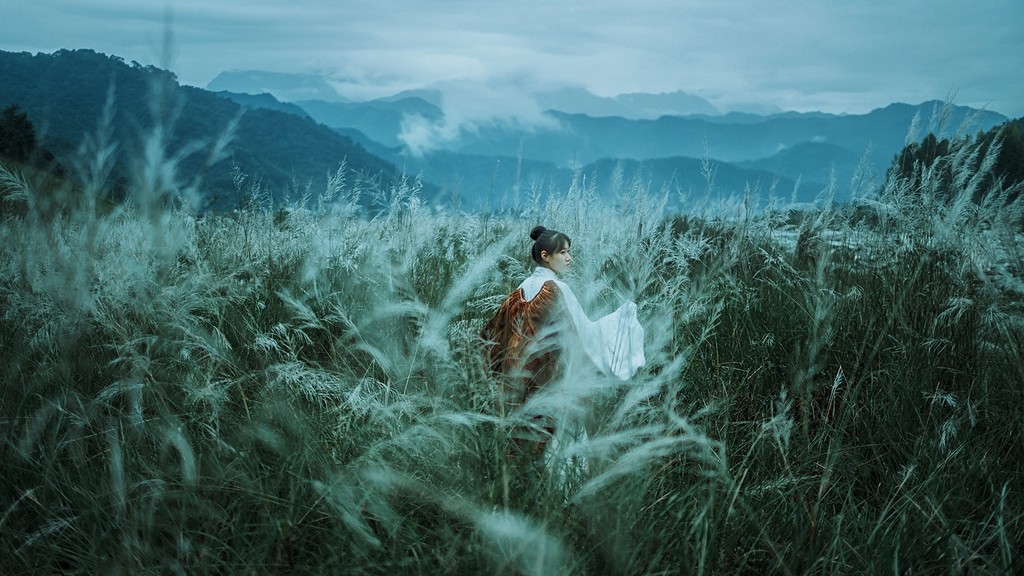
column 838, row 56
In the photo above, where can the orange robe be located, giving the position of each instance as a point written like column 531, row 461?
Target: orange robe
column 521, row 342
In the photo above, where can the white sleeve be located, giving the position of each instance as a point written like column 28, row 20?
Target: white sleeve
column 615, row 343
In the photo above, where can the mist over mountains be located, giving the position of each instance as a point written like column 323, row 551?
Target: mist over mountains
column 312, row 88
column 656, row 137
column 475, row 148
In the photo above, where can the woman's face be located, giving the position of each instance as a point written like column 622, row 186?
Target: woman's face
column 557, row 261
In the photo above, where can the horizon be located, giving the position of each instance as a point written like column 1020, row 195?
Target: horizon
column 375, row 95
column 417, row 92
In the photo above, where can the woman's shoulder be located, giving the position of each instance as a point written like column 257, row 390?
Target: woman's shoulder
column 541, row 279
column 550, row 288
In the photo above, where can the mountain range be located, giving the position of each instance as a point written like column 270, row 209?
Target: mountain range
column 657, row 135
column 674, row 144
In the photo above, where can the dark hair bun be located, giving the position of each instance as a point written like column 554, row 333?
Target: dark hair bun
column 536, row 232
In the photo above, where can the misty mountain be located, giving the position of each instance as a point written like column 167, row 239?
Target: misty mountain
column 640, row 126
column 303, row 88
column 490, row 164
column 283, row 86
column 64, row 95
column 265, row 101
column 815, row 163
column 587, row 139
column 812, row 146
column 752, row 118
column 633, row 106
column 432, row 97
column 515, row 183
column 381, row 120
column 690, row 180
column 809, row 146
column 478, row 182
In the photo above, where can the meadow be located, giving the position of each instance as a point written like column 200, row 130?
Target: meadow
column 299, row 389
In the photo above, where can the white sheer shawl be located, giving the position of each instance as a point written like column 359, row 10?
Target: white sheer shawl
column 615, row 343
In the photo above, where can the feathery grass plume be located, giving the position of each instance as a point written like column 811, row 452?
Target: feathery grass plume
column 15, row 186
column 517, row 543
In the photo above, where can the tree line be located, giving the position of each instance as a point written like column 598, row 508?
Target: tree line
column 932, row 153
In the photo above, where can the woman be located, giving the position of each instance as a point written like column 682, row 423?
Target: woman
column 541, row 325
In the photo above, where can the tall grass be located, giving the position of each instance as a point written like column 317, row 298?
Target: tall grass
column 301, row 391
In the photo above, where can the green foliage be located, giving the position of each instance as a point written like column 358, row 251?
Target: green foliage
column 300, row 391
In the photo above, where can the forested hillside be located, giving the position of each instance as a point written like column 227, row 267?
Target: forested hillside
column 80, row 97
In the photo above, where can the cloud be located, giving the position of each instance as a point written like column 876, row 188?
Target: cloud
column 469, row 106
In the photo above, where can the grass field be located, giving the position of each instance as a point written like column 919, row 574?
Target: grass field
column 832, row 391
